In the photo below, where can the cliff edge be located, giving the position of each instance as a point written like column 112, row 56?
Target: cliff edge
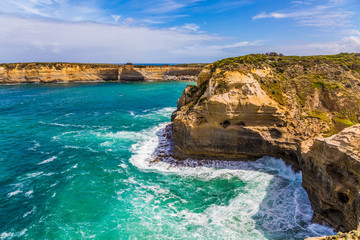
column 70, row 72
column 288, row 107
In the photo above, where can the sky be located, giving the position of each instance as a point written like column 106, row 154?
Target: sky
column 173, row 31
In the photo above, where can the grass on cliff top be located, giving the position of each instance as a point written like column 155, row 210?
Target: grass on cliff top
column 325, row 87
column 60, row 65
column 56, row 65
column 348, row 61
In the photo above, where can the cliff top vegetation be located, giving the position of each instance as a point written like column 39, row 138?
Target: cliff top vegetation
column 348, row 61
column 56, row 65
column 60, row 65
column 324, row 87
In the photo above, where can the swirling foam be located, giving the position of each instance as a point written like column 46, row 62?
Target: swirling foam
column 271, row 205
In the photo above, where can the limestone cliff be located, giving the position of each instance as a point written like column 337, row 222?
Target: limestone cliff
column 259, row 105
column 166, row 73
column 62, row 72
column 68, row 72
column 331, row 173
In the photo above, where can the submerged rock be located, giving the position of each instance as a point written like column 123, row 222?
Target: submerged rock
column 256, row 105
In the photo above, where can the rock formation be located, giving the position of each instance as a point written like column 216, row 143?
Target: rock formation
column 66, row 72
column 331, row 174
column 353, row 235
column 256, row 105
column 57, row 73
column 167, row 73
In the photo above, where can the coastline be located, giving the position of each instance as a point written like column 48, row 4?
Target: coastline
column 96, row 81
column 66, row 72
column 301, row 109
column 263, row 121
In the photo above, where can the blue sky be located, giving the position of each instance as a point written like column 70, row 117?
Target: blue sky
column 174, row 31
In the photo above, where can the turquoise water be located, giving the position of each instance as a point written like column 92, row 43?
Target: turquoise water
column 76, row 163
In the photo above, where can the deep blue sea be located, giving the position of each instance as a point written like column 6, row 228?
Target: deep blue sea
column 76, row 162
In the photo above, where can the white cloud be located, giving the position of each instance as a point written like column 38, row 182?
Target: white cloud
column 129, row 21
column 30, row 8
column 41, row 2
column 338, row 2
column 346, row 44
column 301, row 3
column 165, row 6
column 116, row 17
column 188, row 27
column 351, row 32
column 236, row 45
column 219, row 51
column 146, row 12
column 56, row 9
column 271, row 15
column 328, row 15
column 30, row 39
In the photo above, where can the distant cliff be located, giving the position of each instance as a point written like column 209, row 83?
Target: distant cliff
column 288, row 107
column 174, row 73
column 70, row 72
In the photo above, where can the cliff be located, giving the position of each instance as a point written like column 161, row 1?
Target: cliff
column 68, row 72
column 166, row 73
column 331, row 174
column 256, row 105
column 353, row 235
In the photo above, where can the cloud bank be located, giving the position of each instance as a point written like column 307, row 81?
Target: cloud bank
column 87, row 31
column 86, row 41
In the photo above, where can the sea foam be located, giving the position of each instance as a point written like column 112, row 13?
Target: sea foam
column 48, row 160
column 271, row 205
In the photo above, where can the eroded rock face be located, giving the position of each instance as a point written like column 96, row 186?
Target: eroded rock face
column 331, row 176
column 166, row 73
column 255, row 111
column 239, row 121
column 63, row 72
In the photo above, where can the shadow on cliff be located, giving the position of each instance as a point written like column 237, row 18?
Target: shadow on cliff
column 130, row 74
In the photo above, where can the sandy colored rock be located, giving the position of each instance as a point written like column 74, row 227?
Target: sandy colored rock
column 251, row 106
column 243, row 111
column 66, row 72
column 331, row 173
column 166, row 73
column 353, row 235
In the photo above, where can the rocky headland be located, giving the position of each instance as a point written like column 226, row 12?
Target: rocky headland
column 70, row 72
column 304, row 110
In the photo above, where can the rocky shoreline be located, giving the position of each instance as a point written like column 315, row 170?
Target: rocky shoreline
column 68, row 72
column 302, row 109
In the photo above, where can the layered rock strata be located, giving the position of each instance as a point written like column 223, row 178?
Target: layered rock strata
column 331, row 174
column 62, row 72
column 257, row 106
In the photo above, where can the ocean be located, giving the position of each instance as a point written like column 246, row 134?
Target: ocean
column 76, row 162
